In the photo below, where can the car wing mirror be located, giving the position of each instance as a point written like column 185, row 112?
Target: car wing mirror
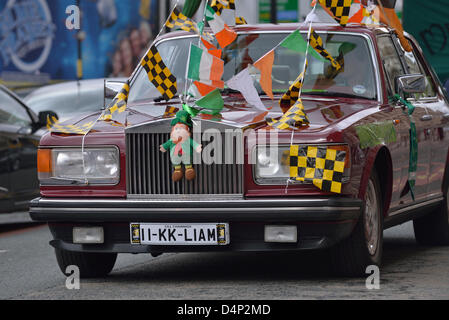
column 409, row 84
column 44, row 116
column 111, row 89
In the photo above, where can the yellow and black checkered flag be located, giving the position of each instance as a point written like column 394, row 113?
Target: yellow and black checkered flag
column 159, row 75
column 292, row 119
column 170, row 112
column 292, row 95
column 54, row 126
column 322, row 166
column 219, row 5
column 116, row 110
column 331, row 72
column 178, row 20
column 317, row 43
column 240, row 21
column 339, row 8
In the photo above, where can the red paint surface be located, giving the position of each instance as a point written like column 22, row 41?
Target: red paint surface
column 331, row 121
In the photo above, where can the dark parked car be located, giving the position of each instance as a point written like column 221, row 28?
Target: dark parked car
column 70, row 99
column 131, row 205
column 23, row 123
column 20, row 133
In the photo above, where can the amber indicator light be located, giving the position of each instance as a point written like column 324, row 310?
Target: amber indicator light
column 44, row 161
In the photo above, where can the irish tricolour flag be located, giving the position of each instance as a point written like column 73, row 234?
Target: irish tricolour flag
column 224, row 35
column 205, row 68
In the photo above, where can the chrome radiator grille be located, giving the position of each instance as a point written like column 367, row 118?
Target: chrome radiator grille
column 149, row 171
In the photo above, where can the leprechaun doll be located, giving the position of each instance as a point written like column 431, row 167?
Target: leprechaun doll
column 181, row 146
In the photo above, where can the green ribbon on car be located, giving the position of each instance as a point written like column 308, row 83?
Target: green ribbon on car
column 190, row 110
column 413, row 162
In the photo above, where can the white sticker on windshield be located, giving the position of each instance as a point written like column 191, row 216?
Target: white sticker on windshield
column 359, row 89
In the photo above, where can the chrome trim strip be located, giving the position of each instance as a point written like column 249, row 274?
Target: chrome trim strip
column 423, row 100
column 416, row 206
column 196, row 209
column 210, row 199
column 185, row 197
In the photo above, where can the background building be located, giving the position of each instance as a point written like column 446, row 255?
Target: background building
column 37, row 47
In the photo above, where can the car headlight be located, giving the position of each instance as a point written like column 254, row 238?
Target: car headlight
column 272, row 164
column 97, row 166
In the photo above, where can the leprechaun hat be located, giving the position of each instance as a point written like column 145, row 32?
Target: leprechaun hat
column 182, row 117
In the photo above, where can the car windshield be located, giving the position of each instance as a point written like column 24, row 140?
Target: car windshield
column 11, row 111
column 68, row 100
column 354, row 79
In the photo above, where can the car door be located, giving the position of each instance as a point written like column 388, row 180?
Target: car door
column 399, row 149
column 394, row 67
column 17, row 130
column 422, row 116
column 5, row 183
column 435, row 121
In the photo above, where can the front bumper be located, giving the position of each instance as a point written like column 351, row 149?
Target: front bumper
column 321, row 222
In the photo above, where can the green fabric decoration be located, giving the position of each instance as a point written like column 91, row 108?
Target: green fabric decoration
column 201, row 27
column 296, row 42
column 212, row 103
column 191, row 7
column 182, row 117
column 413, row 163
column 190, row 110
column 346, row 47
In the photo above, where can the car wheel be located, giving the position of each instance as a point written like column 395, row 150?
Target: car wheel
column 433, row 229
column 363, row 248
column 91, row 265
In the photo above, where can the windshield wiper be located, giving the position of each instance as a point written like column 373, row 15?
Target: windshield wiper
column 336, row 94
column 226, row 91
column 160, row 99
column 229, row 91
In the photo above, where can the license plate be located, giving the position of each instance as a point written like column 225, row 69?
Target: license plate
column 180, row 234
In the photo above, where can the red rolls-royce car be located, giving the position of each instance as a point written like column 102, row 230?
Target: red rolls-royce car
column 125, row 201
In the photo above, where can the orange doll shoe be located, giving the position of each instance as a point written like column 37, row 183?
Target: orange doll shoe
column 177, row 175
column 190, row 174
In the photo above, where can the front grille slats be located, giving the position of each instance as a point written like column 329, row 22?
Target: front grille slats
column 149, row 171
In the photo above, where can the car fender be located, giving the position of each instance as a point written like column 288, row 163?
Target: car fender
column 378, row 153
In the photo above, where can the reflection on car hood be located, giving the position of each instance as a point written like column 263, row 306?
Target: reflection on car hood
column 322, row 113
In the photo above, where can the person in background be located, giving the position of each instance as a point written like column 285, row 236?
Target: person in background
column 126, row 53
column 136, row 44
column 116, row 65
column 146, row 34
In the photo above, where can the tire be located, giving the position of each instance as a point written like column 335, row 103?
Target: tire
column 353, row 255
column 91, row 265
column 433, row 229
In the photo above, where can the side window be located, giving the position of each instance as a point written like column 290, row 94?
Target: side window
column 391, row 60
column 12, row 112
column 415, row 67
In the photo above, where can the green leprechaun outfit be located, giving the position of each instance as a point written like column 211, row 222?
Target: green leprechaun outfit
column 182, row 153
